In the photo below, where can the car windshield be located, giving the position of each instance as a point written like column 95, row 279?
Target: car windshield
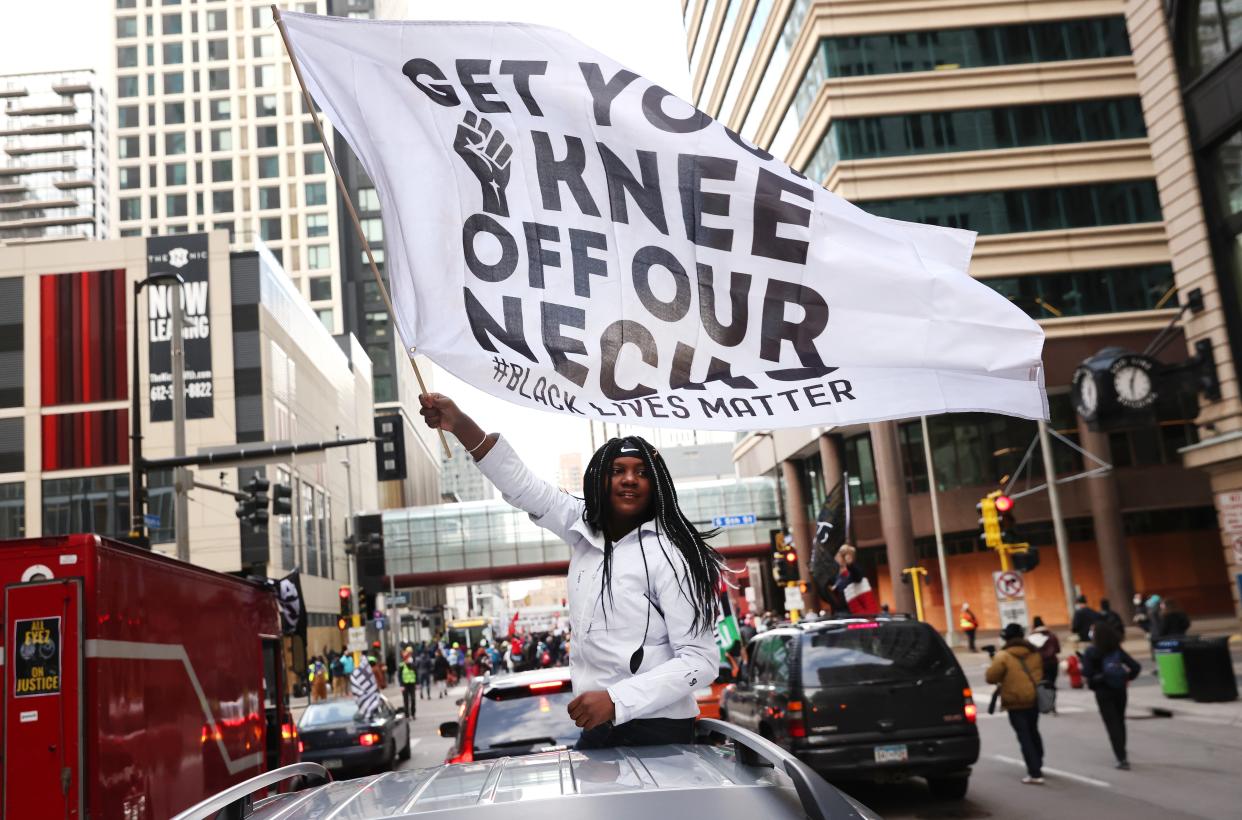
column 874, row 653
column 537, row 719
column 336, row 711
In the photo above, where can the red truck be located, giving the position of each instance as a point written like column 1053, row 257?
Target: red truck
column 134, row 685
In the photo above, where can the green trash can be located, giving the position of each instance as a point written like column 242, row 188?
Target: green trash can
column 1171, row 666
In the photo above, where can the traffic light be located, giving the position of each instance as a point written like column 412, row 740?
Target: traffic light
column 989, row 520
column 345, row 596
column 282, row 500
column 1008, row 529
column 364, row 609
column 787, row 567
column 1026, row 561
column 342, row 623
column 389, row 448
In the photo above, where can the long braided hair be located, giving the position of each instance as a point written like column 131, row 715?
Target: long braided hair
column 703, row 563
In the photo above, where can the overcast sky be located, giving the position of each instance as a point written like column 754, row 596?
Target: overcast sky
column 646, row 35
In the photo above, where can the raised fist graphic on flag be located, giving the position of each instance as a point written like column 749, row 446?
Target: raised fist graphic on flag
column 487, row 158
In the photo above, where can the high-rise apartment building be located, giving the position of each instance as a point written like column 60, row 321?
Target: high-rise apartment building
column 460, row 479
column 53, row 157
column 211, row 131
column 1031, row 124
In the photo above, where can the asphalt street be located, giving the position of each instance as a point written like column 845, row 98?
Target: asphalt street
column 1183, row 767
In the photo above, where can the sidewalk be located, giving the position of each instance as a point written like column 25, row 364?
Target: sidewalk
column 1145, row 697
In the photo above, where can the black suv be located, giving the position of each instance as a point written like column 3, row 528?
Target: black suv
column 861, row 698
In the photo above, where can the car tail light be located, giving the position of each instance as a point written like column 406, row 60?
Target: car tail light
column 868, row 625
column 466, row 755
column 548, row 686
column 369, row 738
column 301, row 747
column 793, row 719
column 969, row 709
column 288, row 731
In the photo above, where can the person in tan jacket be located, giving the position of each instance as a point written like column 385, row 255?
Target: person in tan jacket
column 1017, row 670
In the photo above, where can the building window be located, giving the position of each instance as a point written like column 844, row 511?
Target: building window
column 217, row 20
column 172, row 24
column 377, row 253
column 383, row 389
column 98, row 504
column 1033, row 209
column 174, row 143
column 317, row 257
column 861, row 468
column 174, row 113
column 327, row 318
column 222, row 170
column 269, row 228
column 174, row 82
column 128, row 147
column 265, row 105
column 129, row 177
column 376, row 326
column 368, row 200
column 127, row 86
column 126, row 4
column 217, row 49
column 975, row 130
column 312, row 163
column 127, row 116
column 221, row 139
column 173, row 54
column 175, row 205
column 266, row 136
column 320, row 288
column 264, row 76
column 309, row 132
column 268, row 167
column 316, row 225
column 221, row 201
column 127, row 57
column 218, row 79
column 220, row 109
column 13, row 510
column 373, row 229
column 174, row 173
column 131, row 207
column 264, row 46
column 316, row 193
column 1085, row 292
column 310, row 541
column 1210, row 30
column 285, row 523
column 127, row 27
column 269, row 197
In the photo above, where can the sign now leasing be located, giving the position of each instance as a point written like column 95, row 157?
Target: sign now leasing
column 569, row 236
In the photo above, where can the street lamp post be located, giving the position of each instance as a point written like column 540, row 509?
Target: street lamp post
column 137, row 500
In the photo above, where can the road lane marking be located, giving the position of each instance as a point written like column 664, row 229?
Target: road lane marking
column 1090, row 781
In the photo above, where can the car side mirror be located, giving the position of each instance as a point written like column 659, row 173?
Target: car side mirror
column 448, row 728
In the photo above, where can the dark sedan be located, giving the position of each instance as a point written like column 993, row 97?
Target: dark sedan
column 334, row 735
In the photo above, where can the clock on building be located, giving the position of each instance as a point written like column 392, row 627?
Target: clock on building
column 1133, row 384
column 1085, row 392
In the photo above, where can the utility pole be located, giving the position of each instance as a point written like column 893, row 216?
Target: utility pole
column 351, row 553
column 1058, row 520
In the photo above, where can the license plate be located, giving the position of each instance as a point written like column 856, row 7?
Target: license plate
column 334, row 763
column 892, row 754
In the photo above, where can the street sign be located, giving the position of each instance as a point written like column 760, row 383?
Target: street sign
column 733, row 520
column 151, row 520
column 793, row 597
column 1230, row 508
column 398, row 599
column 381, row 622
column 357, row 639
column 1009, row 585
column 727, row 634
column 1013, row 612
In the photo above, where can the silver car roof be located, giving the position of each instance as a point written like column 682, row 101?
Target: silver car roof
column 662, row 781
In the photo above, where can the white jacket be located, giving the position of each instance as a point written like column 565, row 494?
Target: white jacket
column 606, row 632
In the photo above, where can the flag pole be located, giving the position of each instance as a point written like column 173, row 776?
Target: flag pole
column 349, row 206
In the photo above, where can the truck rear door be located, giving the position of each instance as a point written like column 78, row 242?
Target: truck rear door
column 42, row 745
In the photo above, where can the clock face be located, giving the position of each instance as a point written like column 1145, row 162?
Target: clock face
column 1133, row 386
column 1088, row 396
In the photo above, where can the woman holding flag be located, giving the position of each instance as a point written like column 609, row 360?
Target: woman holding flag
column 642, row 583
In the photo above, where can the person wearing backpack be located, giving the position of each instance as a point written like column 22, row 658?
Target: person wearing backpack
column 1108, row 670
column 1017, row 670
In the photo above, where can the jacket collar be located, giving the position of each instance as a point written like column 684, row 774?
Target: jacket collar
column 596, row 539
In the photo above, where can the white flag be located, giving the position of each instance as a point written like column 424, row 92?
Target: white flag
column 567, row 235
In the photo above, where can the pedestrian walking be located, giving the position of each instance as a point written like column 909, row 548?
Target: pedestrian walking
column 340, row 682
column 969, row 624
column 1172, row 620
column 634, row 558
column 1084, row 618
column 1049, row 646
column 1108, row 616
column 440, row 671
column 319, row 681
column 1017, row 670
column 422, row 667
column 408, row 676
column 1108, row 670
column 373, row 657
column 1141, row 617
